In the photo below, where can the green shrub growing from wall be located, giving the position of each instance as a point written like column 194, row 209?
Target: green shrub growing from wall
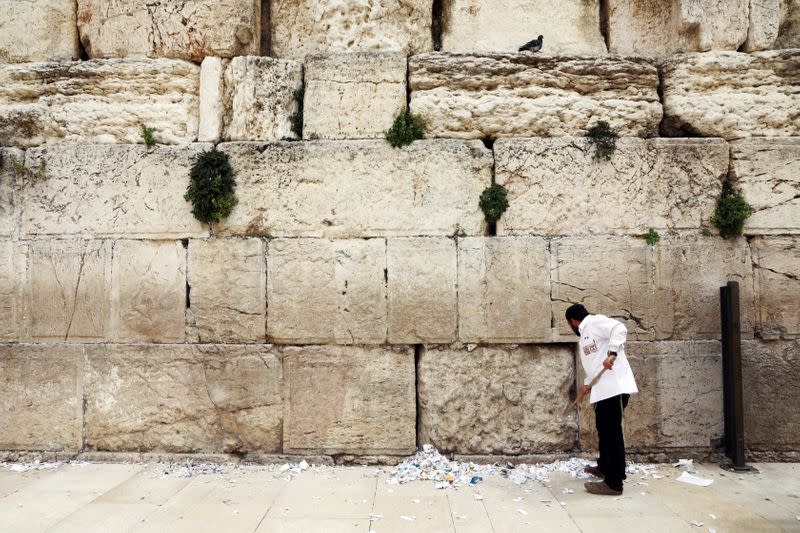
column 19, row 169
column 604, row 140
column 407, row 128
column 494, row 202
column 147, row 135
column 297, row 116
column 211, row 189
column 732, row 210
column 652, row 237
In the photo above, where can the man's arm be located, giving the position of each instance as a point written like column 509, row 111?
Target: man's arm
column 616, row 338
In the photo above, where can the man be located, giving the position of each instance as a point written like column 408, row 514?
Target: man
column 601, row 346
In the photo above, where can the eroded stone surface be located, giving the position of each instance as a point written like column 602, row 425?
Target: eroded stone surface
column 422, row 290
column 571, row 27
column 665, row 27
column 770, row 372
column 503, row 289
column 353, row 96
column 776, row 263
column 111, row 190
column 212, row 99
column 344, row 189
column 679, row 404
column 773, row 24
column 99, row 101
column 227, row 280
column 766, row 172
column 10, row 183
column 732, row 95
column 665, row 184
column 43, row 30
column 67, row 293
column 475, row 96
column 258, row 98
column 179, row 398
column 148, row 296
column 349, row 400
column 496, row 400
column 311, row 26
column 12, row 281
column 41, row 393
column 182, row 29
column 322, row 291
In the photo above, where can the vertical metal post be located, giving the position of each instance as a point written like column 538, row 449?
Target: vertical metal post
column 732, row 375
column 727, row 405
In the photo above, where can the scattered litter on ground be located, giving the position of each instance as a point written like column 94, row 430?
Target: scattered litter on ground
column 475, row 480
column 409, row 518
column 375, row 517
column 517, row 499
column 712, row 530
column 694, row 480
column 415, row 500
column 478, row 497
column 568, row 491
column 696, row 523
column 27, row 467
column 523, row 512
column 429, row 464
column 686, row 464
column 713, row 516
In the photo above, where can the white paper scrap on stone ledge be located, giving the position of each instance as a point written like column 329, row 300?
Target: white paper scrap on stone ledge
column 686, row 477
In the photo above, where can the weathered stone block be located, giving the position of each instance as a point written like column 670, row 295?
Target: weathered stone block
column 339, row 189
column 148, row 291
column 618, row 277
column 770, row 373
column 666, row 184
column 227, row 282
column 258, row 98
column 766, row 172
column 111, row 190
column 67, row 294
column 773, row 24
column 302, row 28
column 212, row 99
column 99, row 101
column 185, row 29
column 422, row 290
column 665, row 27
column 503, row 289
column 40, row 30
column 322, row 291
column 172, row 398
column 732, row 95
column 679, row 404
column 12, row 282
column 504, row 95
column 353, row 96
column 777, row 284
column 571, row 27
column 496, row 400
column 41, row 393
column 10, row 183
column 349, row 400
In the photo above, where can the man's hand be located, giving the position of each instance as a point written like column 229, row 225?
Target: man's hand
column 609, row 362
column 585, row 390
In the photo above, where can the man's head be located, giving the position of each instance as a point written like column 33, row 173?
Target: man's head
column 575, row 315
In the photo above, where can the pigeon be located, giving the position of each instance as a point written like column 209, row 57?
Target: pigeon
column 532, row 46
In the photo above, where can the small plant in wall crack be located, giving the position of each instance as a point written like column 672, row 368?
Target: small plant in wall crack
column 406, row 129
column 731, row 213
column 604, row 139
column 211, row 188
column 147, row 135
column 493, row 203
column 652, row 237
column 18, row 168
column 297, row 117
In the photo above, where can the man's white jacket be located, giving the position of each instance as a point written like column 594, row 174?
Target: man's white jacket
column 600, row 335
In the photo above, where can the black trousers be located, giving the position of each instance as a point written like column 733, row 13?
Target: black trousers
column 608, row 420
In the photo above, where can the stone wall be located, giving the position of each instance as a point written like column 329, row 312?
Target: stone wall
column 356, row 303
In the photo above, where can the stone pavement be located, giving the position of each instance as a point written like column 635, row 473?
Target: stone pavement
column 137, row 497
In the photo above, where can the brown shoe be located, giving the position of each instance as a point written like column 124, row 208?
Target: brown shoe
column 600, row 487
column 594, row 470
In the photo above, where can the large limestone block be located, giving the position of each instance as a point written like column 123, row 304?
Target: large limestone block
column 570, row 27
column 618, row 277
column 227, row 284
column 679, row 404
column 770, row 373
column 666, row 184
column 776, row 262
column 179, row 398
column 13, row 262
column 773, row 24
column 99, row 101
column 10, row 182
column 67, row 294
column 38, row 30
column 767, row 173
column 504, row 95
column 503, row 289
column 41, row 397
column 422, row 290
column 258, row 98
column 732, row 95
column 302, row 27
column 181, row 29
column 665, row 27
column 148, row 291
column 349, row 400
column 338, row 189
column 353, row 96
column 322, row 291
column 496, row 400
column 110, row 191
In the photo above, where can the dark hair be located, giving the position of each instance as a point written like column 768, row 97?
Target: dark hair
column 576, row 311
